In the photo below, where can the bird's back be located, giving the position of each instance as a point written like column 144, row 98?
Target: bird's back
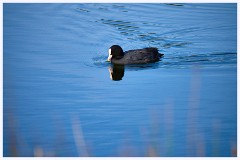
column 140, row 56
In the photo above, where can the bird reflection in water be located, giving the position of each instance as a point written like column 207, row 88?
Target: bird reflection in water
column 116, row 72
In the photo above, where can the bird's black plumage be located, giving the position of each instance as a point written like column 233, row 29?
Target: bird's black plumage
column 136, row 56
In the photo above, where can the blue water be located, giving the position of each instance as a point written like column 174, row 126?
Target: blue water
column 59, row 99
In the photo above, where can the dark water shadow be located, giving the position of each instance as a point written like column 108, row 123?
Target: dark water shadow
column 174, row 4
column 116, row 72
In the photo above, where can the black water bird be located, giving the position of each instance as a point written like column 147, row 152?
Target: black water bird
column 136, row 56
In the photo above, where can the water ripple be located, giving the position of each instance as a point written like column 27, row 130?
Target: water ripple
column 172, row 34
column 182, row 61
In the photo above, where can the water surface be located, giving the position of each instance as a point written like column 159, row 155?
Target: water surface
column 59, row 99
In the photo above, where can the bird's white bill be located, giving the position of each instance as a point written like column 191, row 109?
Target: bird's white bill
column 109, row 55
